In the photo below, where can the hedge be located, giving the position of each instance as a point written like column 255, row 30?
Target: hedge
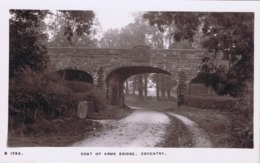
column 32, row 106
column 241, row 118
column 212, row 102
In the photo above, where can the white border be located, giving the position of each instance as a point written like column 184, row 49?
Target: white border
column 54, row 154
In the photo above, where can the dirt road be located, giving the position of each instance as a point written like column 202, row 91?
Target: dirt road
column 142, row 128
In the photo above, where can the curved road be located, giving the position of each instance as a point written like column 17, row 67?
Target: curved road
column 142, row 128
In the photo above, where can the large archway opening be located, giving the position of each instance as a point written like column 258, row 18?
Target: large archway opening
column 115, row 81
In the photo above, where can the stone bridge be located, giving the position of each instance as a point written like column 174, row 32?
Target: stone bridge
column 109, row 68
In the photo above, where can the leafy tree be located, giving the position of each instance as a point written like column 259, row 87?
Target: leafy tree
column 31, row 89
column 27, row 41
column 228, row 36
column 232, row 34
column 111, row 39
column 78, row 22
column 73, row 28
column 133, row 34
column 185, row 24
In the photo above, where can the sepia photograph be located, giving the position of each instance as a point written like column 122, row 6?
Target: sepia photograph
column 155, row 80
column 166, row 79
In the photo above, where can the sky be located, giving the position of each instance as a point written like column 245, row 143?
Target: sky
column 109, row 19
column 112, row 19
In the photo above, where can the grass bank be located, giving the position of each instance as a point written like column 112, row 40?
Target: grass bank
column 62, row 132
column 215, row 123
column 218, row 124
column 177, row 135
column 57, row 133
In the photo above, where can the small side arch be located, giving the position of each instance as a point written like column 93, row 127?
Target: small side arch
column 75, row 75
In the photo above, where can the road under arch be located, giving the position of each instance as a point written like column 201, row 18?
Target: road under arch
column 116, row 78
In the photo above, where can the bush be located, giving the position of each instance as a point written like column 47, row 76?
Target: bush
column 242, row 130
column 33, row 106
column 33, row 97
column 213, row 102
column 241, row 116
column 242, row 122
column 37, row 97
column 28, row 80
column 77, row 86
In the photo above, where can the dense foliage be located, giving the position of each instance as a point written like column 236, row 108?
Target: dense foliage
column 228, row 36
column 27, row 40
column 32, row 97
column 36, row 97
column 229, row 67
column 34, row 93
column 78, row 21
column 72, row 28
column 216, row 103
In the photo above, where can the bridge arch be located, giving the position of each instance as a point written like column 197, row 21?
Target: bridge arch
column 75, row 75
column 122, row 73
column 115, row 79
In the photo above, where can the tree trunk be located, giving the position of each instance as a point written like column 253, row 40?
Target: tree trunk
column 145, row 85
column 127, row 87
column 134, row 84
column 157, row 86
column 162, row 86
column 140, row 87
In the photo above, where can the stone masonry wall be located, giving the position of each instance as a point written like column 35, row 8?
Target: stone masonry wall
column 100, row 62
column 90, row 60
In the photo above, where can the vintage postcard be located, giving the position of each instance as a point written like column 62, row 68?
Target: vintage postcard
column 131, row 81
